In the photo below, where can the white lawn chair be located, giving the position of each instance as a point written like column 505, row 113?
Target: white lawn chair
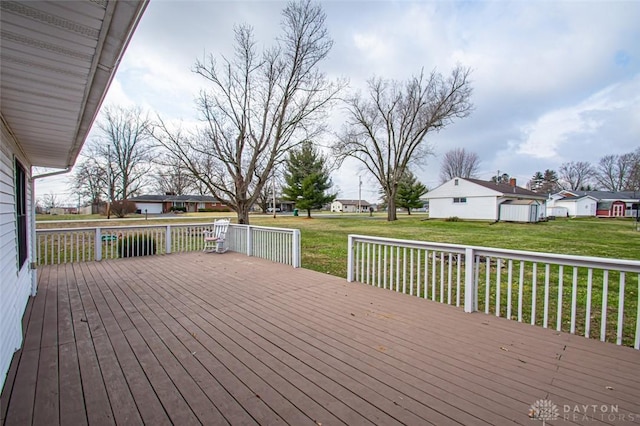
column 214, row 241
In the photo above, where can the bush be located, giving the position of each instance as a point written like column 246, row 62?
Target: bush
column 213, row 210
column 136, row 245
column 179, row 209
column 452, row 219
column 122, row 208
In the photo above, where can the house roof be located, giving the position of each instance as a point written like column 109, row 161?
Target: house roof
column 155, row 198
column 605, row 195
column 353, row 202
column 58, row 59
column 506, row 189
column 520, row 202
column 576, row 199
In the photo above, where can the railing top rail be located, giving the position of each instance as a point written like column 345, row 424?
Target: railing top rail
column 566, row 259
column 93, row 228
column 456, row 248
column 267, row 228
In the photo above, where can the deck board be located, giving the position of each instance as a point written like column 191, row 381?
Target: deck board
column 227, row 339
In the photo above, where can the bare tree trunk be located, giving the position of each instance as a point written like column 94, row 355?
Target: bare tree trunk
column 242, row 211
column 391, row 208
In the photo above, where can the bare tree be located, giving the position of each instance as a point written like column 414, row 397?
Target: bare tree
column 265, row 197
column 258, row 106
column 89, row 180
column 386, row 128
column 172, row 177
column 459, row 162
column 122, row 150
column 50, row 201
column 613, row 171
column 576, row 174
column 633, row 179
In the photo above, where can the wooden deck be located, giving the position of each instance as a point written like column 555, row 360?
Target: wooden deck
column 215, row 339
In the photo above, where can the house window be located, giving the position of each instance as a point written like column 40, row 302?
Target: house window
column 460, row 200
column 202, row 205
column 455, row 182
column 21, row 211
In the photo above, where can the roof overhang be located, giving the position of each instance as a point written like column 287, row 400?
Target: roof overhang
column 58, row 59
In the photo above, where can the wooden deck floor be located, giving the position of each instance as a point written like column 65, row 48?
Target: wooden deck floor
column 216, row 339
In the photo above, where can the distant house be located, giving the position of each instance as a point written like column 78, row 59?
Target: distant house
column 566, row 204
column 157, row 204
column 350, row 206
column 63, row 210
column 484, row 200
column 596, row 203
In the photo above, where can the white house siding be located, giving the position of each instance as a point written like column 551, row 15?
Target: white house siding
column 152, row 208
column 578, row 208
column 481, row 202
column 519, row 212
column 557, row 211
column 481, row 208
column 15, row 286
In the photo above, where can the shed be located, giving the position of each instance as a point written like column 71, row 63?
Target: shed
column 519, row 211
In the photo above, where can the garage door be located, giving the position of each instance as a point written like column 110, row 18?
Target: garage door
column 152, row 208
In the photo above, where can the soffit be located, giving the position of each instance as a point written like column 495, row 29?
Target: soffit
column 58, row 59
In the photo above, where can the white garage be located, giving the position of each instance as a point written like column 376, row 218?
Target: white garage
column 151, row 208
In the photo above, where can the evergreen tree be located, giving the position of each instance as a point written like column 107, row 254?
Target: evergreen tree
column 409, row 192
column 307, row 178
column 536, row 181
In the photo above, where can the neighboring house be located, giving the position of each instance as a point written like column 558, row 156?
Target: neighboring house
column 483, row 200
column 157, row 204
column 350, row 206
column 54, row 74
column 597, row 203
column 63, row 210
column 565, row 205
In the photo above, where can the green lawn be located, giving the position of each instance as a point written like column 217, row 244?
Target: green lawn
column 324, row 240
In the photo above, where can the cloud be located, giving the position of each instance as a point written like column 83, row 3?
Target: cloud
column 545, row 137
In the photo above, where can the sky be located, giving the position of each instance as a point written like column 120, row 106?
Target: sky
column 553, row 81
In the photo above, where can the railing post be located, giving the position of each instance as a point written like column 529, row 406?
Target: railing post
column 469, row 281
column 97, row 248
column 249, row 241
column 350, row 260
column 167, row 239
column 296, row 248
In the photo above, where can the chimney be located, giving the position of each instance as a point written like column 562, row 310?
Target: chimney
column 512, row 182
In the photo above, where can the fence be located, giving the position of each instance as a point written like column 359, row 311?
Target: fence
column 591, row 296
column 55, row 246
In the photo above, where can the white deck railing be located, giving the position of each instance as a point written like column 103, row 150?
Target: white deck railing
column 592, row 296
column 279, row 245
column 55, row 246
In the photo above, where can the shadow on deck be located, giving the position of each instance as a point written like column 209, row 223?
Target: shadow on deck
column 214, row 339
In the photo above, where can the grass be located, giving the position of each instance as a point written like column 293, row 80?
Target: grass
column 324, row 240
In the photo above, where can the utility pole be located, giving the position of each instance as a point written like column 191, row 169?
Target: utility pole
column 359, row 194
column 273, row 190
column 109, row 184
